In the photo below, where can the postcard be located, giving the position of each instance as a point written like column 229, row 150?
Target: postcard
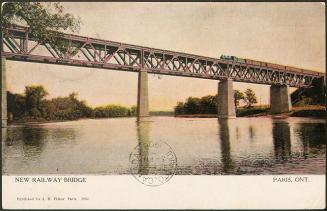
column 167, row 105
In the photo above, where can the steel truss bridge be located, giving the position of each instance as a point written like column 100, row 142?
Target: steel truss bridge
column 20, row 45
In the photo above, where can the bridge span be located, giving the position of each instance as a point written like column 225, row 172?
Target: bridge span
column 18, row 43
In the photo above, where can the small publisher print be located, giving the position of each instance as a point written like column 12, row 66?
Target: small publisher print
column 153, row 164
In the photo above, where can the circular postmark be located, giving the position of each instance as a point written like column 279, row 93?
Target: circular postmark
column 153, row 163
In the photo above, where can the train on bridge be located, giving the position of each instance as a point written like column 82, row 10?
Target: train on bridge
column 266, row 64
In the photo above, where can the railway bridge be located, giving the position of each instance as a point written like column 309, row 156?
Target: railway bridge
column 18, row 43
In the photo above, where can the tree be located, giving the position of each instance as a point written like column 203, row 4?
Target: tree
column 133, row 110
column 46, row 21
column 250, row 98
column 33, row 100
column 33, row 106
column 238, row 95
column 208, row 104
column 179, row 109
column 192, row 105
column 16, row 105
column 317, row 92
column 68, row 108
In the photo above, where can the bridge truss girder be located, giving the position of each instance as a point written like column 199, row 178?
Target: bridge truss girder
column 18, row 44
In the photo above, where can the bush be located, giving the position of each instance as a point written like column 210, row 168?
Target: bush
column 111, row 111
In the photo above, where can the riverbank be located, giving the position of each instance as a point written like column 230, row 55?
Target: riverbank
column 40, row 121
column 32, row 121
column 304, row 111
column 307, row 111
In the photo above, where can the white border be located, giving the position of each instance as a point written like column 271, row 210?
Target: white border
column 181, row 192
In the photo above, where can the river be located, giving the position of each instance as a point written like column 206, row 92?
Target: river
column 251, row 146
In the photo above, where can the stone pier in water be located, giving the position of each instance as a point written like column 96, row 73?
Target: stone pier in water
column 280, row 100
column 225, row 99
column 142, row 95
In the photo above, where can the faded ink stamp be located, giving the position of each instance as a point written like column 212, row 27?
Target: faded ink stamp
column 153, row 163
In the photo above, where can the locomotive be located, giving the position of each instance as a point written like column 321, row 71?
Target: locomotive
column 233, row 58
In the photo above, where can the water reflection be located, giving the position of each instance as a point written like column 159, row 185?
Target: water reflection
column 281, row 140
column 312, row 137
column 225, row 148
column 63, row 135
column 238, row 133
column 240, row 146
column 3, row 142
column 143, row 133
column 251, row 133
column 32, row 139
column 34, row 136
column 4, row 135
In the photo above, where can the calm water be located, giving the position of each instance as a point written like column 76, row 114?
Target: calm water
column 202, row 146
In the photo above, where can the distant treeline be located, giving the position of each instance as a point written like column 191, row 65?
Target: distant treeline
column 208, row 104
column 32, row 106
column 314, row 95
column 195, row 105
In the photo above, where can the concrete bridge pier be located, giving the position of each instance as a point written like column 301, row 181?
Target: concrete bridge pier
column 3, row 93
column 225, row 100
column 280, row 100
column 142, row 95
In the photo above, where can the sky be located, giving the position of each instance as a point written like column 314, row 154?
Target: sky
column 284, row 33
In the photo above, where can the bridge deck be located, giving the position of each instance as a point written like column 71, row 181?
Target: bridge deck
column 20, row 45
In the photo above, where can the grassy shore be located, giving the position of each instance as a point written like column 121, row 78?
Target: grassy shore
column 30, row 120
column 303, row 111
column 161, row 113
column 253, row 112
column 309, row 111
